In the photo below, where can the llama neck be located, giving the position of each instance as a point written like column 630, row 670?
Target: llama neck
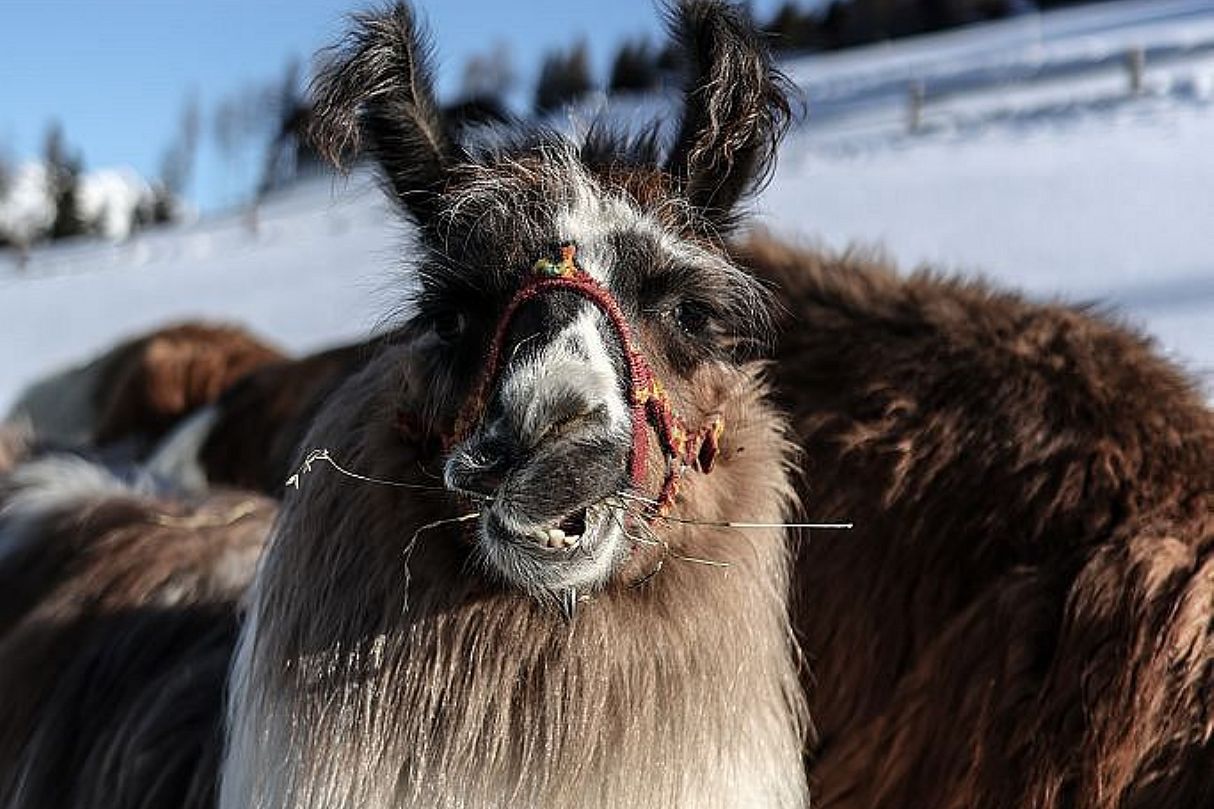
column 367, row 680
column 684, row 695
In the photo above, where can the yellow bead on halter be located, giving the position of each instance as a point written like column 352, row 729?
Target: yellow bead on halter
column 565, row 268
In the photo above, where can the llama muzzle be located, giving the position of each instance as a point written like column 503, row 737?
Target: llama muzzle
column 648, row 402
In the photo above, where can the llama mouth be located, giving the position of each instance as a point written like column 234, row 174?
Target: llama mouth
column 565, row 535
column 578, row 529
column 576, row 552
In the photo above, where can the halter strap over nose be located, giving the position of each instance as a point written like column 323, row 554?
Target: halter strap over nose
column 648, row 401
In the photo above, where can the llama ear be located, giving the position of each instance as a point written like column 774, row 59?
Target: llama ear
column 736, row 108
column 376, row 95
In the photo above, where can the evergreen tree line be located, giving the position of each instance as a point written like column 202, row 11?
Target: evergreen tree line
column 267, row 123
column 638, row 66
column 62, row 169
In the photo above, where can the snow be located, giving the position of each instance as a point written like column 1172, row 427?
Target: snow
column 26, row 209
column 110, row 199
column 1032, row 165
column 315, row 270
column 1119, row 211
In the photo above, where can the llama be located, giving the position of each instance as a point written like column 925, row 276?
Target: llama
column 200, row 404
column 1065, row 539
column 117, row 623
column 135, row 392
column 516, row 613
column 588, row 291
column 1024, row 613
column 1045, row 594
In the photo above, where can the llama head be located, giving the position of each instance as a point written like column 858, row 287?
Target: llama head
column 572, row 298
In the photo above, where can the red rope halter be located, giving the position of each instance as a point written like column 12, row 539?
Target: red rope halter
column 647, row 399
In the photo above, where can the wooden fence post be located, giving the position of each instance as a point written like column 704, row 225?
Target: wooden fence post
column 916, row 96
column 1136, row 63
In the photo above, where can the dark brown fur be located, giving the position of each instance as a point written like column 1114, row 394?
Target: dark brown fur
column 116, row 630
column 1022, row 615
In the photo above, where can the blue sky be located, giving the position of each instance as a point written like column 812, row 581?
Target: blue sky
column 116, row 73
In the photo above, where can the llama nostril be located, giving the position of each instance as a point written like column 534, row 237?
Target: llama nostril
column 484, row 482
column 480, row 469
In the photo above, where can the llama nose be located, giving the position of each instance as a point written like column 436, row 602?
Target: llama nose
column 479, row 468
column 507, row 443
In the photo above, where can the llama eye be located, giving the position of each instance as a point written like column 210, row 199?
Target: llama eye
column 449, row 326
column 692, row 317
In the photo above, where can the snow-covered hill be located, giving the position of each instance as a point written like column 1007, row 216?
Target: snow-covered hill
column 1032, row 163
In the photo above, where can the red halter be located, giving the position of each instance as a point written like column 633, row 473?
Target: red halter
column 647, row 400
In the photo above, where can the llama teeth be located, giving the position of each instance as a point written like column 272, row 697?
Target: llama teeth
column 554, row 538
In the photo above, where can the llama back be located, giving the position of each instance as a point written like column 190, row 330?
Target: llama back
column 136, row 392
column 1022, row 614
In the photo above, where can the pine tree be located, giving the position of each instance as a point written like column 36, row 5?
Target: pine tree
column 794, row 29
column 6, row 175
column 177, row 163
column 564, row 78
column 487, row 78
column 635, row 69
column 62, row 177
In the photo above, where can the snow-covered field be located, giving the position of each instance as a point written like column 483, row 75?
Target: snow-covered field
column 313, row 269
column 1032, row 164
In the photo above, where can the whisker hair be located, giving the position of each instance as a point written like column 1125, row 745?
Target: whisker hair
column 842, row 526
column 323, row 455
column 407, row 552
column 655, row 540
column 738, row 524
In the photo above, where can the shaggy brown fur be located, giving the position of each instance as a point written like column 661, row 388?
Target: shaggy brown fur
column 1023, row 615
column 116, row 629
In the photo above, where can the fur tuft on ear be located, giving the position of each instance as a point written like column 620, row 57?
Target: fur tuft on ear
column 736, row 108
column 376, row 94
